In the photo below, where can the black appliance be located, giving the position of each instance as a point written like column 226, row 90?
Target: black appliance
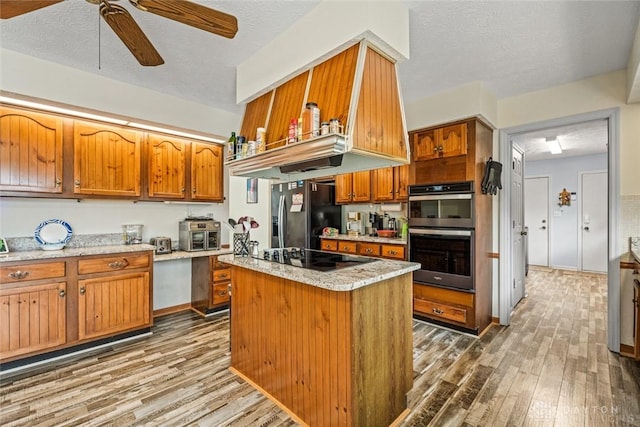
column 446, row 257
column 300, row 210
column 313, row 259
column 442, row 235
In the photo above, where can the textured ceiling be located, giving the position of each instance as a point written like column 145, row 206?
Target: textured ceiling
column 512, row 46
column 580, row 139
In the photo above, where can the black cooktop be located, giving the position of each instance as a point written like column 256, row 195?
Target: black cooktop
column 313, row 259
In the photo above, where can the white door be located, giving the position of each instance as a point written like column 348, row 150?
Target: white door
column 517, row 224
column 536, row 219
column 593, row 217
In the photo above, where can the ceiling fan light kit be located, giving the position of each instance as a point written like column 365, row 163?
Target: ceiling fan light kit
column 128, row 31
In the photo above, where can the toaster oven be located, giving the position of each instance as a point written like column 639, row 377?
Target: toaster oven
column 199, row 234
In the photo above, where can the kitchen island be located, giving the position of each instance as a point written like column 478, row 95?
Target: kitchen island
column 331, row 348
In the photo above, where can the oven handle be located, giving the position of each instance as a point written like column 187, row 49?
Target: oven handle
column 440, row 232
column 441, row 197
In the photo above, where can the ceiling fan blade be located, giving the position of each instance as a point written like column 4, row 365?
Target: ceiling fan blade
column 192, row 14
column 11, row 8
column 122, row 23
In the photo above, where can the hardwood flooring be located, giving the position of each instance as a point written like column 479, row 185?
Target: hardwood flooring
column 550, row 367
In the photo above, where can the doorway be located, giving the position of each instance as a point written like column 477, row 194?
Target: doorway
column 536, row 219
column 592, row 233
column 507, row 251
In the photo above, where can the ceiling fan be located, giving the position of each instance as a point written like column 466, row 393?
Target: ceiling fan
column 122, row 23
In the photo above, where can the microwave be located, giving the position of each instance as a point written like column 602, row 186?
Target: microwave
column 448, row 205
column 199, row 234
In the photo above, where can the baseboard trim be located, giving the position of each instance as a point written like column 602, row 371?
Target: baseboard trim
column 170, row 310
column 627, row 350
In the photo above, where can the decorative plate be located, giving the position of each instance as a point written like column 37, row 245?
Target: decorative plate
column 53, row 234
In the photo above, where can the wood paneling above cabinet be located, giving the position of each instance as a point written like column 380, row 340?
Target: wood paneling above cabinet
column 287, row 104
column 255, row 115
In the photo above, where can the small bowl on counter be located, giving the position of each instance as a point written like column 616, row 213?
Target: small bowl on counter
column 387, row 233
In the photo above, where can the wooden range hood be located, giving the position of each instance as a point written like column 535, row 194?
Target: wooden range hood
column 359, row 86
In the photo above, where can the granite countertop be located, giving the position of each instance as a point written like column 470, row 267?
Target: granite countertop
column 184, row 254
column 73, row 252
column 345, row 279
column 373, row 239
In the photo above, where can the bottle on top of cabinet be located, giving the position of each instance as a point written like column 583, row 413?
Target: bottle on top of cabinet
column 261, row 139
column 310, row 120
column 231, row 146
column 293, row 131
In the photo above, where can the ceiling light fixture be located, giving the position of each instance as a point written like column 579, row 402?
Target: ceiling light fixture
column 554, row 146
column 107, row 119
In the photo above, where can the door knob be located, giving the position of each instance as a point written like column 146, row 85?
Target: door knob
column 544, row 221
column 523, row 233
column 543, row 227
column 586, row 228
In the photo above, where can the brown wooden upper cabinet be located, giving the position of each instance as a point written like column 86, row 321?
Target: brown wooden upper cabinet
column 206, row 172
column 106, row 160
column 353, row 187
column 30, row 151
column 166, row 160
column 441, row 142
column 391, row 184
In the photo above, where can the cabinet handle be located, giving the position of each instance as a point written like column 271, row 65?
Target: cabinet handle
column 224, row 276
column 392, row 252
column 437, row 311
column 182, row 189
column 76, row 183
column 117, row 265
column 82, row 290
column 58, row 182
column 193, row 190
column 19, row 275
column 62, row 293
column 223, row 293
column 368, row 250
column 229, row 289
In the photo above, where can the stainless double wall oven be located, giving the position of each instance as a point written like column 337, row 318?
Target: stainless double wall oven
column 441, row 234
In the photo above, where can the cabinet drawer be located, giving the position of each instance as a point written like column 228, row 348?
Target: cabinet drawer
column 24, row 272
column 223, row 274
column 219, row 293
column 329, row 245
column 113, row 263
column 439, row 310
column 348, row 247
column 393, row 251
column 369, row 249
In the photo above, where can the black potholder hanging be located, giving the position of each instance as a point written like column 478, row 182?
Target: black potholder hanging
column 491, row 180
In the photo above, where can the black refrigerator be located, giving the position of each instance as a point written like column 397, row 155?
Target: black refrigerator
column 300, row 210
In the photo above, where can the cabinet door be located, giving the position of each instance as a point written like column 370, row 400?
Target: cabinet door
column 401, row 181
column 113, row 304
column 30, row 151
column 344, row 188
column 454, row 140
column 33, row 318
column 426, row 145
column 206, row 172
column 383, row 186
column 106, row 160
column 167, row 167
column 361, row 186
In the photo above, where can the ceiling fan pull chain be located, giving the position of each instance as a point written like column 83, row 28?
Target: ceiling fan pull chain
column 99, row 40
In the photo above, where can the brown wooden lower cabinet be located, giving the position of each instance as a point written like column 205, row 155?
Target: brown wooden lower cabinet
column 330, row 358
column 56, row 304
column 210, row 280
column 445, row 305
column 32, row 318
column 372, row 249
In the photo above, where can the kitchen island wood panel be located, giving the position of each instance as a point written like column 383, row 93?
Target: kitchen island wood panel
column 330, row 358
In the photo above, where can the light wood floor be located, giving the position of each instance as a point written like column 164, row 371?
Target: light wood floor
column 550, row 367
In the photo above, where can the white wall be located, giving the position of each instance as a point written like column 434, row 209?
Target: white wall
column 563, row 229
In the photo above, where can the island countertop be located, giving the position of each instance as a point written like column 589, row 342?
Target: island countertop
column 344, row 279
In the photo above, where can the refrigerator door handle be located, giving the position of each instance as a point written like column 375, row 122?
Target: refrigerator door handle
column 281, row 221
